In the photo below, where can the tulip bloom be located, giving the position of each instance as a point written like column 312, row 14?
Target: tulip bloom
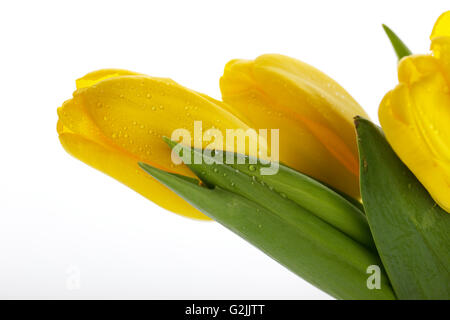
column 415, row 116
column 117, row 118
column 313, row 112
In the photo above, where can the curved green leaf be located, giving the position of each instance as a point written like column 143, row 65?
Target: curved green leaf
column 411, row 232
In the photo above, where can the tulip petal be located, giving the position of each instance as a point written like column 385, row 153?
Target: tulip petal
column 442, row 26
column 314, row 115
column 135, row 112
column 441, row 51
column 124, row 168
column 96, row 76
column 119, row 117
column 440, row 42
column 73, row 119
column 415, row 67
column 415, row 120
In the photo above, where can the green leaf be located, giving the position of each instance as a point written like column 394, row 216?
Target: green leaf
column 283, row 191
column 399, row 47
column 411, row 232
column 290, row 234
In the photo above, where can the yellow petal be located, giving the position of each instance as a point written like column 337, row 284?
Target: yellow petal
column 74, row 119
column 135, row 112
column 117, row 118
column 124, row 168
column 432, row 115
column 441, row 51
column 414, row 67
column 314, row 115
column 96, row 76
column 442, row 26
column 415, row 120
column 440, row 43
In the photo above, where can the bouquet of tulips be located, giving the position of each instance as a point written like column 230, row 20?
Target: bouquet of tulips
column 291, row 163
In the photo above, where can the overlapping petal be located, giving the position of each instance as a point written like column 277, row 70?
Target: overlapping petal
column 313, row 112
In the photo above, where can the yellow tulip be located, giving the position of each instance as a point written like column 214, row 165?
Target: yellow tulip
column 415, row 116
column 117, row 118
column 313, row 113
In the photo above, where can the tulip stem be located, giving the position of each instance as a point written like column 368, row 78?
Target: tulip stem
column 399, row 47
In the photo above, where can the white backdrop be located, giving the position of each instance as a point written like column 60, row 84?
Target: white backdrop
column 68, row 231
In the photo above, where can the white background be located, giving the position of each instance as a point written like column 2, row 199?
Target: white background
column 59, row 218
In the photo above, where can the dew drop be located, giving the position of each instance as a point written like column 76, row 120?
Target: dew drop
column 252, row 167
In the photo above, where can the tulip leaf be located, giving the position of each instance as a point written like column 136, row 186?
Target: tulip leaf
column 399, row 47
column 286, row 190
column 278, row 237
column 411, row 232
column 289, row 233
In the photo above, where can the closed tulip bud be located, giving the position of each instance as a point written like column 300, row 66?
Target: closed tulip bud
column 415, row 116
column 117, row 118
column 313, row 112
